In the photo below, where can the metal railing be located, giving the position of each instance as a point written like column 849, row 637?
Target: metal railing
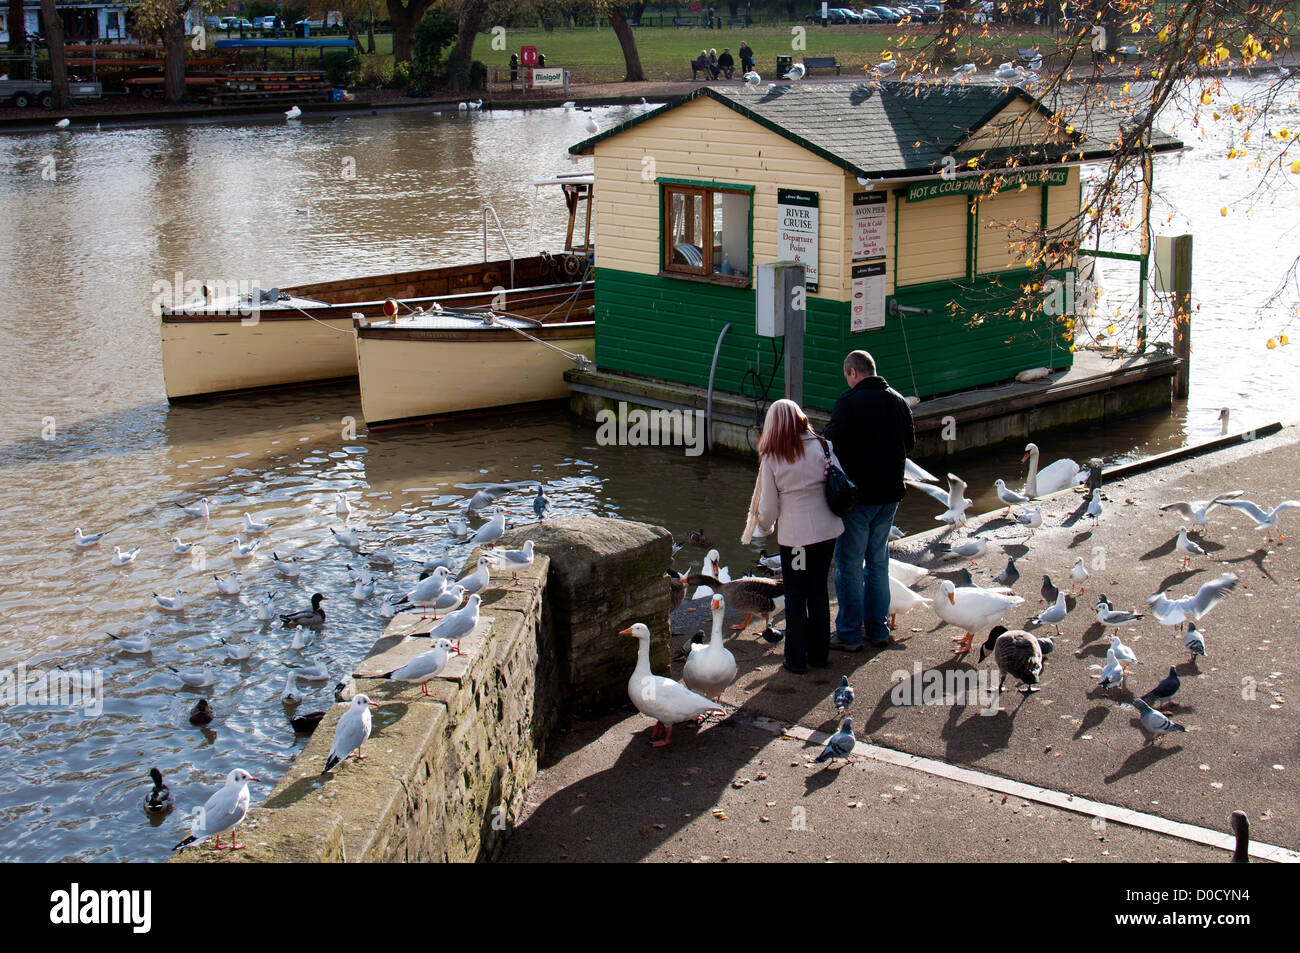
column 510, row 251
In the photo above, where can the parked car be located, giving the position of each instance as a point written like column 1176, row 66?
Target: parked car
column 833, row 15
column 264, row 23
column 886, row 14
column 850, row 16
column 870, row 16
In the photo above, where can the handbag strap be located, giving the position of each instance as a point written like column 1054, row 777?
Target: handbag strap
column 825, row 449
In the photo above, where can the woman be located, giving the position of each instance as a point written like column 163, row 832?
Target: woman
column 713, row 63
column 790, row 494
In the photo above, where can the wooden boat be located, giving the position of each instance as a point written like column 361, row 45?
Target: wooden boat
column 228, row 343
column 473, row 356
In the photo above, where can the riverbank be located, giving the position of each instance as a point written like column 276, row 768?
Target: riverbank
column 732, row 790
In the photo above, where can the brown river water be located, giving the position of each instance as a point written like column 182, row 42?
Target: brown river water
column 88, row 440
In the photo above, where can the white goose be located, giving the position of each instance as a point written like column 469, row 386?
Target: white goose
column 1058, row 476
column 906, row 573
column 972, row 609
column 902, row 598
column 710, row 670
column 666, row 701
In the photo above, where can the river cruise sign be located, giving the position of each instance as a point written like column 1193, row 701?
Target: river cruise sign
column 985, row 183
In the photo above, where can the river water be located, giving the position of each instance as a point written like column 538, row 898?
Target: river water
column 89, row 440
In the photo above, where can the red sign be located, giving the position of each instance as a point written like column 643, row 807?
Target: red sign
column 528, row 55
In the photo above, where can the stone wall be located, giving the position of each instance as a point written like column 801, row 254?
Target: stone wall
column 445, row 775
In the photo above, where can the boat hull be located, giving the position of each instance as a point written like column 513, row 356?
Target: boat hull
column 408, row 376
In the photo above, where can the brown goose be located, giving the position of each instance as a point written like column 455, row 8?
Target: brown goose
column 676, row 590
column 1017, row 653
column 1240, row 827
column 753, row 595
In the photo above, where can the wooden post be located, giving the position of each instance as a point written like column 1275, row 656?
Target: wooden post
column 1182, row 285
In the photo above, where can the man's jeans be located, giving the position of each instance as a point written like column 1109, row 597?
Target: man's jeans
column 863, row 589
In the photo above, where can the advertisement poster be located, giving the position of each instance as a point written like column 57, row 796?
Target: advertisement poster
column 867, row 312
column 796, row 231
column 869, row 233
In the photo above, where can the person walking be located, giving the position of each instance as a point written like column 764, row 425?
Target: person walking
column 746, row 57
column 873, row 429
column 790, row 495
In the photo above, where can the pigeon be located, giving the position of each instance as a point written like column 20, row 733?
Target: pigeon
column 1163, row 693
column 1094, row 505
column 1265, row 522
column 199, row 510
column 1175, row 612
column 85, row 541
column 1009, row 497
column 840, row 745
column 1198, row 511
column 223, row 812
column 1195, row 642
column 174, row 603
column 1048, row 591
column 350, row 733
column 1156, row 722
column 424, row 666
column 1078, row 573
column 1054, row 614
column 541, row 505
column 1113, row 673
column 1111, row 617
column 1008, row 576
column 843, row 696
column 1240, row 828
column 1187, row 547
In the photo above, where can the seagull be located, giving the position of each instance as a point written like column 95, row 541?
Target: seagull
column 1048, row 591
column 1113, row 673
column 174, row 603
column 363, row 589
column 1009, row 497
column 266, row 607
column 1123, row 653
column 293, row 112
column 350, row 733
column 488, row 493
column 771, row 563
column 288, row 568
column 593, row 127
column 290, row 695
column 451, row 597
column 1175, row 612
column 1195, row 642
column 459, row 624
column 382, row 558
column 229, row 586
column 478, row 579
column 199, row 679
column 1187, row 547
column 347, row 537
column 840, row 745
column 886, row 68
column 971, row 549
column 237, row 652
column 914, row 471
column 120, row 558
column 446, row 561
column 967, row 69
column 752, row 78
column 1031, row 517
column 63, row 124
column 1198, row 511
column 424, row 666
column 458, row 527
column 1053, row 615
column 179, row 548
column 796, row 72
column 490, row 531
column 199, row 510
column 1008, row 576
column 1007, row 72
column 1163, row 693
column 313, row 671
column 1156, row 722
column 426, row 592
column 1109, row 616
column 1078, row 573
column 223, row 812
column 85, row 541
column 516, row 559
column 541, row 505
column 141, row 645
column 252, row 527
column 342, row 507
column 843, row 696
column 241, row 550
column 1094, row 504
column 954, row 512
column 1265, row 522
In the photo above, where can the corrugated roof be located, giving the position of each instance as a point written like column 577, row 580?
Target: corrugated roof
column 880, row 130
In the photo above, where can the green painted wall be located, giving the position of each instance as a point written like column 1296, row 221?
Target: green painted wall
column 667, row 328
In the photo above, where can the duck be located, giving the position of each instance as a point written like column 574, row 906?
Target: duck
column 1061, row 475
column 201, row 713
column 971, row 608
column 754, row 595
column 713, row 567
column 676, row 589
column 697, row 539
column 1017, row 653
column 902, row 598
column 306, row 724
column 1241, row 828
column 712, row 669
column 314, row 616
column 667, row 701
column 159, row 800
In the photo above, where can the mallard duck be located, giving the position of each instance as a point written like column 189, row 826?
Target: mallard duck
column 1058, row 476
column 1240, row 827
column 971, row 608
column 710, row 670
column 306, row 724
column 698, row 539
column 1018, row 653
column 666, row 701
column 313, row 616
column 159, row 800
column 201, row 713
column 751, row 594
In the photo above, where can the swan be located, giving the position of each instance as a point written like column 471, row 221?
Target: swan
column 666, row 701
column 1060, row 475
column 970, row 608
column 710, row 670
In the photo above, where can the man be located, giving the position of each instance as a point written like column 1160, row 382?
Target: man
column 725, row 63
column 872, row 432
column 746, row 57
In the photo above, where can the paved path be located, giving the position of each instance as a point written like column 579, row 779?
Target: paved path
column 1240, row 751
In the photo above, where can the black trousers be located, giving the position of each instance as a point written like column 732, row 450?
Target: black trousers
column 807, row 604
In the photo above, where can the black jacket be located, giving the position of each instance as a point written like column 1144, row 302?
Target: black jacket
column 872, row 431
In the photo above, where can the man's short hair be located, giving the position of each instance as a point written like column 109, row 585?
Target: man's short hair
column 861, row 362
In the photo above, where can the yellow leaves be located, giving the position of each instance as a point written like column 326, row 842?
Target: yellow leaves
column 1282, row 340
column 1245, row 138
column 1202, row 57
column 1206, row 97
column 1272, row 343
column 1163, row 34
column 1233, row 153
column 1251, row 47
column 1135, row 26
column 1224, row 211
column 1218, row 116
column 1295, row 167
column 1221, row 54
column 1111, row 329
column 1127, row 87
column 886, row 54
column 973, row 162
column 1069, row 130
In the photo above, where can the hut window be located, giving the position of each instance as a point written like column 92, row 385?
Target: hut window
column 706, row 231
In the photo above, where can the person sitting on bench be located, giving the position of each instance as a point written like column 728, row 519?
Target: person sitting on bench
column 726, row 65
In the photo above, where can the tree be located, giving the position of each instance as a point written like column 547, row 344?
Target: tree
column 165, row 19
column 54, row 41
column 17, row 27
column 631, row 56
column 405, row 16
column 462, row 55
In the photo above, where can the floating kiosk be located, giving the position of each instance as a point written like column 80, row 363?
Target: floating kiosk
column 904, row 203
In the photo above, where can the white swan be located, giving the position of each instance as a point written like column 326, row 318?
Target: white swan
column 666, row 701
column 710, row 670
column 971, row 608
column 1059, row 476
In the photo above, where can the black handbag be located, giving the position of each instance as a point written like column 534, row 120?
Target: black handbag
column 841, row 492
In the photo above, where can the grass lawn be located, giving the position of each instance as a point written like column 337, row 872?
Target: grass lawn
column 593, row 55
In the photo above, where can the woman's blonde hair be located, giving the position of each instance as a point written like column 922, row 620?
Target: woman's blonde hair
column 783, row 431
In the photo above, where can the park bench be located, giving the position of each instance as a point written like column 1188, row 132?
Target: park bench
column 683, row 21
column 821, row 62
column 695, row 68
column 736, row 21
